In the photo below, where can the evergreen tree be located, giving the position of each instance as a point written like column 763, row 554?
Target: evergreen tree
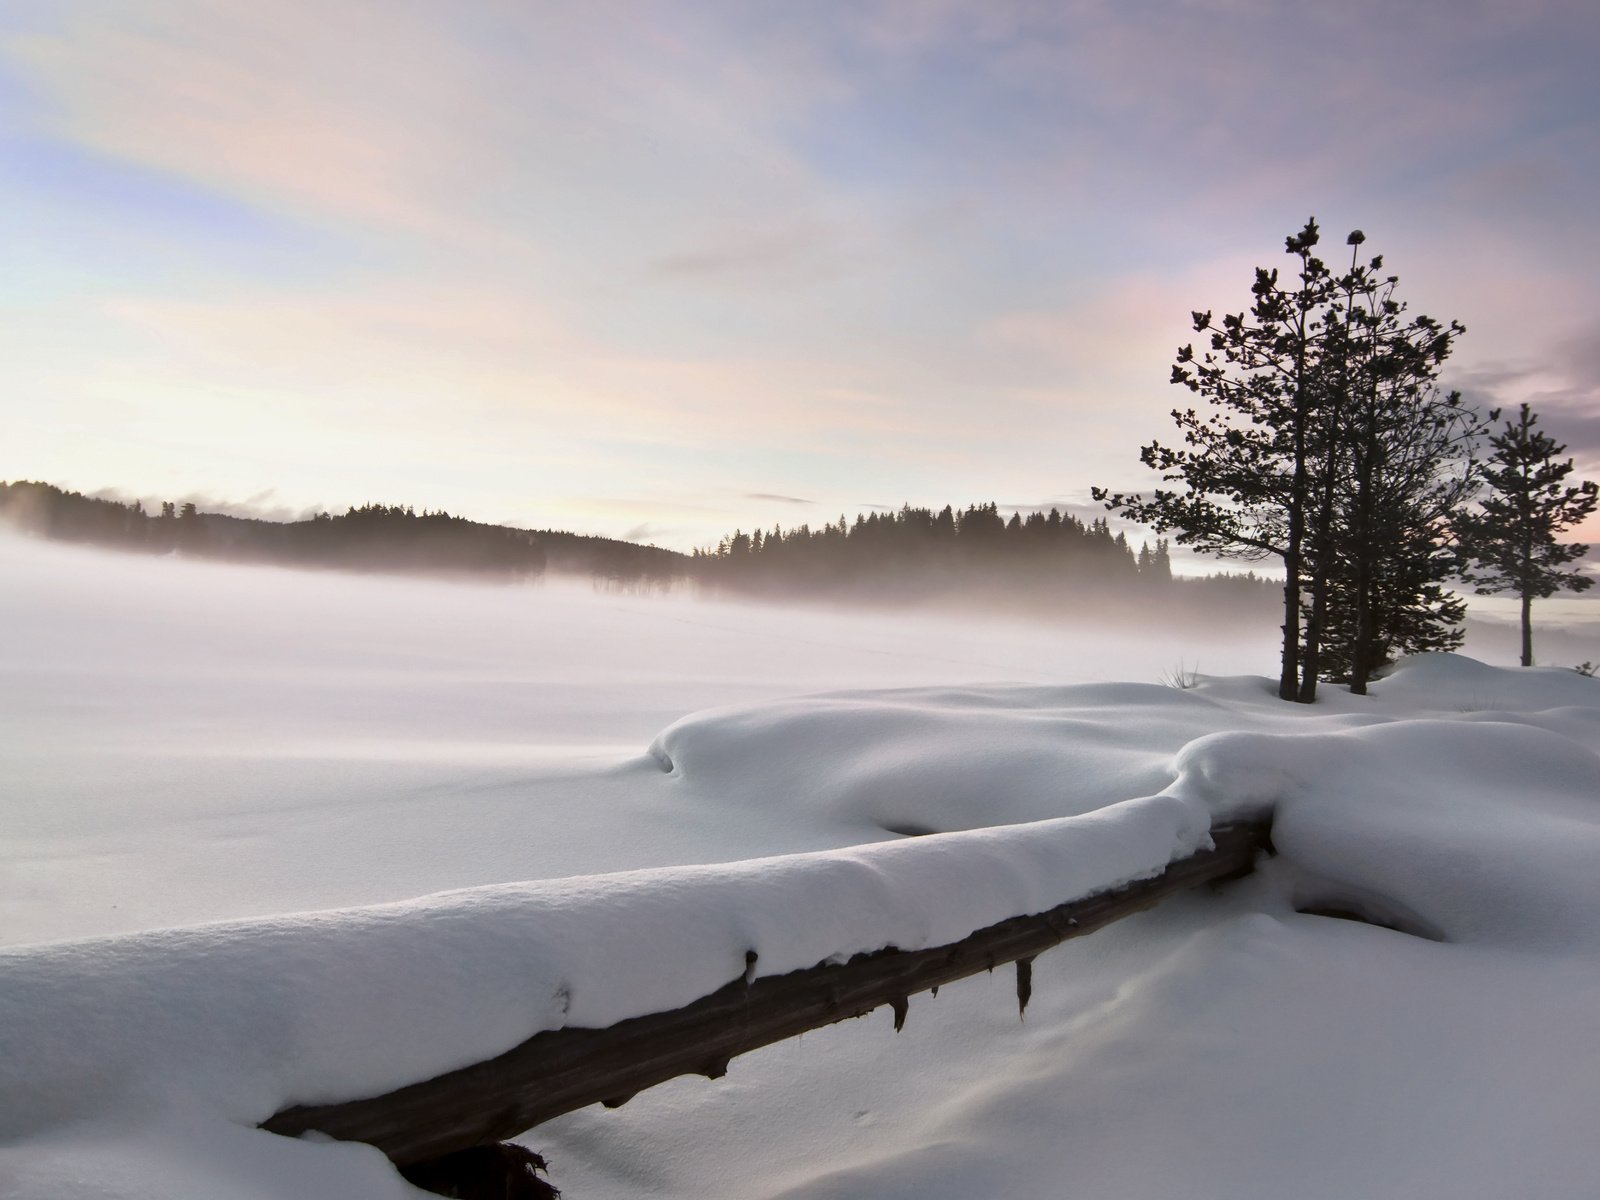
column 191, row 528
column 1328, row 446
column 1246, row 465
column 1161, row 562
column 1511, row 540
column 1406, row 464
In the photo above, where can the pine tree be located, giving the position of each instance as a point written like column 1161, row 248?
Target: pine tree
column 1328, row 446
column 1247, row 464
column 1161, row 563
column 1512, row 538
column 1406, row 465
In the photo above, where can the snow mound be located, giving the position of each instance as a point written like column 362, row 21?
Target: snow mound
column 925, row 760
column 244, row 1018
column 1458, row 802
column 1455, row 683
column 1481, row 829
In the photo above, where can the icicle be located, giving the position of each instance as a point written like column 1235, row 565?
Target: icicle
column 715, row 1069
column 901, row 1006
column 1024, row 985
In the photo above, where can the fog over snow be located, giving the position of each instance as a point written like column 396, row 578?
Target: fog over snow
column 270, row 837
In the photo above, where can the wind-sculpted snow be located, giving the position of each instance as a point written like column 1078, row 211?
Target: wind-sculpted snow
column 247, row 1017
column 937, row 759
column 1486, row 831
column 298, row 767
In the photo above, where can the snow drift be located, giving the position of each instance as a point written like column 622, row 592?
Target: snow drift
column 1225, row 1045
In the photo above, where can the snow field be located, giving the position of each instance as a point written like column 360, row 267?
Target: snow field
column 302, row 743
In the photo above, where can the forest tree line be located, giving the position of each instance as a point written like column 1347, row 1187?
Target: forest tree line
column 372, row 537
column 1038, row 562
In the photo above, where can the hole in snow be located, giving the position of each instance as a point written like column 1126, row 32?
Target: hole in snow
column 1369, row 911
column 908, row 829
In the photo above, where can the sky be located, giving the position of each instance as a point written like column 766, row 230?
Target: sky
column 663, row 270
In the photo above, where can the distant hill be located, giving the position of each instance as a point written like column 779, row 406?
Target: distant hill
column 1042, row 564
column 374, row 537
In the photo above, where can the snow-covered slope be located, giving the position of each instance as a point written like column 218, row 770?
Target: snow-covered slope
column 241, row 747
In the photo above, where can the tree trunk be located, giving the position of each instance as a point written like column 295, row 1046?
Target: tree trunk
column 1527, row 628
column 1361, row 661
column 1365, row 568
column 1311, row 654
column 1289, row 675
column 1527, row 574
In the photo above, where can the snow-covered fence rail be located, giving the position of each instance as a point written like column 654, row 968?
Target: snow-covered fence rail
column 560, row 1070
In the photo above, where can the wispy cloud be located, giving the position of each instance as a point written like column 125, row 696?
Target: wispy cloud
column 776, row 255
column 770, row 498
column 1562, row 386
column 941, row 247
column 645, row 532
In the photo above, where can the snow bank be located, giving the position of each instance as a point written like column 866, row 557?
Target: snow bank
column 936, row 759
column 1238, row 1048
column 244, row 1018
column 1481, row 832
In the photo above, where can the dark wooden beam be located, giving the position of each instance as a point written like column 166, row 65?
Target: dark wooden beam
column 561, row 1070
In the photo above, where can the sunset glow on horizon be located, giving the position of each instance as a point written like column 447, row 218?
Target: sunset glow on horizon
column 658, row 271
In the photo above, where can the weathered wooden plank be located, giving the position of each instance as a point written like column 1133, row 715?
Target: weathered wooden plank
column 561, row 1070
